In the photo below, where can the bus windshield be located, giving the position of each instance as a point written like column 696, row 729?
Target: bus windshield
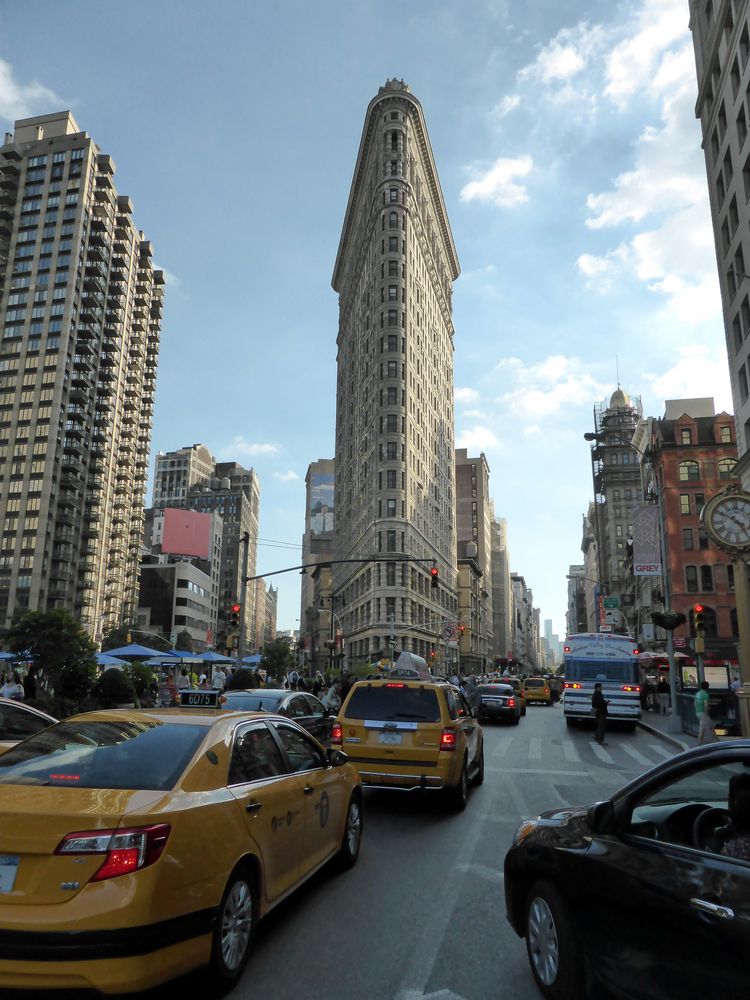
column 615, row 671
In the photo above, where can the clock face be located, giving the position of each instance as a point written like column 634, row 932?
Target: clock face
column 729, row 520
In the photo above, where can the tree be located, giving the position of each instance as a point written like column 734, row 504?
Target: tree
column 116, row 637
column 277, row 658
column 62, row 650
column 184, row 641
column 113, row 688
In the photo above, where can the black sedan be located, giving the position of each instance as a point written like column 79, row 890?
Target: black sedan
column 306, row 710
column 498, row 701
column 647, row 894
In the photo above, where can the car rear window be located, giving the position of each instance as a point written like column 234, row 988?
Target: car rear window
column 116, row 754
column 535, row 682
column 251, row 701
column 497, row 689
column 393, row 703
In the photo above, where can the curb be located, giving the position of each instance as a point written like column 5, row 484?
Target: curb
column 673, row 741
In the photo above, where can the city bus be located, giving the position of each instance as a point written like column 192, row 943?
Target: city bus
column 591, row 657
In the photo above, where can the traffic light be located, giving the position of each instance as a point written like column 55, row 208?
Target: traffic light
column 234, row 617
column 434, row 578
column 461, row 629
column 698, row 618
column 432, row 655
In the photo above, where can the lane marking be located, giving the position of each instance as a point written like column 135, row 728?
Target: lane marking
column 637, row 756
column 571, row 754
column 535, row 748
column 502, row 747
column 601, row 753
column 484, row 871
column 662, row 751
column 543, row 770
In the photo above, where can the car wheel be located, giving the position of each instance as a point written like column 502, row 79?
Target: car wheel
column 349, row 852
column 523, row 711
column 233, row 931
column 570, row 723
column 458, row 795
column 552, row 944
column 479, row 776
column 516, row 719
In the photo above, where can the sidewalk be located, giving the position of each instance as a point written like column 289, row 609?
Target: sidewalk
column 659, row 725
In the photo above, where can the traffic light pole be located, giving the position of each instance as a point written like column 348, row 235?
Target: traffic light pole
column 245, row 543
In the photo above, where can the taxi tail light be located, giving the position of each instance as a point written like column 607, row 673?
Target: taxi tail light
column 448, row 739
column 632, row 687
column 337, row 735
column 124, row 851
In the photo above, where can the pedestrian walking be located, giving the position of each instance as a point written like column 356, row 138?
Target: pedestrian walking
column 662, row 693
column 218, row 679
column 29, row 682
column 183, row 681
column 599, row 704
column 706, row 733
column 12, row 687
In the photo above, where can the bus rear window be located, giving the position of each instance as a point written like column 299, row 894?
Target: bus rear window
column 601, row 670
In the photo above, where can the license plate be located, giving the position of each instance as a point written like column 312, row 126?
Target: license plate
column 392, row 738
column 8, row 872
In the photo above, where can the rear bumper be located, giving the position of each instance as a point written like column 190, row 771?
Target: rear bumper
column 495, row 712
column 402, row 782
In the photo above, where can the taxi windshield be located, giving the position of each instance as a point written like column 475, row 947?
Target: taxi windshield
column 103, row 754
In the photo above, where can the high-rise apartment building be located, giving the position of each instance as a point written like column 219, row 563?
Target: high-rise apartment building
column 721, row 41
column 395, row 473
column 80, row 303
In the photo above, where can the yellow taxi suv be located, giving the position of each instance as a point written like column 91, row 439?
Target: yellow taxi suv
column 138, row 846
column 537, row 689
column 412, row 735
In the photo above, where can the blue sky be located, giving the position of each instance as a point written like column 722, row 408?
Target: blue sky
column 569, row 156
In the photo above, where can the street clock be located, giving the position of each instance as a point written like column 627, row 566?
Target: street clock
column 726, row 518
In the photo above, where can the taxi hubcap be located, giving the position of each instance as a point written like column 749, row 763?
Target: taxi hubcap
column 353, row 828
column 236, row 924
column 543, row 946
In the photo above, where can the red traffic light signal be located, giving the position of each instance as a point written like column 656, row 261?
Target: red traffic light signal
column 234, row 617
column 236, row 608
column 461, row 629
column 697, row 608
column 434, row 578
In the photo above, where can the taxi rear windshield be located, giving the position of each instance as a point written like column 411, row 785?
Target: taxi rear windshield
column 111, row 754
column 533, row 682
column 393, row 704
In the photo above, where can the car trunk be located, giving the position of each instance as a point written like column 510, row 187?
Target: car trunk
column 393, row 722
column 33, row 822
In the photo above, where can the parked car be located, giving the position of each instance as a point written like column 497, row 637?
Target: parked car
column 17, row 721
column 306, row 710
column 646, row 894
column 498, row 701
column 412, row 735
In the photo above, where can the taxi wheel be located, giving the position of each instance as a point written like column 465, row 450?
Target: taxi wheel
column 554, row 951
column 349, row 852
column 479, row 776
column 233, row 932
column 458, row 795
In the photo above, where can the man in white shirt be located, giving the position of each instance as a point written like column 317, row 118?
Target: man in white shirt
column 219, row 678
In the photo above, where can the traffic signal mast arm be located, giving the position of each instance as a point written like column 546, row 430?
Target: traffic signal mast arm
column 388, row 557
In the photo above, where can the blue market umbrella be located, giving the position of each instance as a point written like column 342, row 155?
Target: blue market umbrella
column 136, row 652
column 107, row 660
column 212, row 657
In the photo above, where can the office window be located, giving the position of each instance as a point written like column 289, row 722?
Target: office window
column 691, row 579
column 687, row 538
column 390, row 479
column 726, row 467
column 390, row 541
column 725, row 435
column 707, row 578
column 686, row 436
column 688, row 472
column 390, row 508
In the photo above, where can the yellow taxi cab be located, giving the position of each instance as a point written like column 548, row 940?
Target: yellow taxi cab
column 412, row 734
column 517, row 685
column 137, row 846
column 537, row 689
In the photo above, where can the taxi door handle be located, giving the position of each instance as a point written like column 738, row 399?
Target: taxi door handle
column 309, row 789
column 253, row 807
column 713, row 909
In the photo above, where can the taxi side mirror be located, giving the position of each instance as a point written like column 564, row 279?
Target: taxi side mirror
column 601, row 817
column 337, row 758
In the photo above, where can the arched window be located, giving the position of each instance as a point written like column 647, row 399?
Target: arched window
column 393, row 220
column 726, row 468
column 688, row 472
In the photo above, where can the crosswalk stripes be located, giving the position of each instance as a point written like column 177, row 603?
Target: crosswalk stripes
column 503, row 746
column 571, row 754
column 535, row 748
column 662, row 751
column 637, row 756
column 601, row 753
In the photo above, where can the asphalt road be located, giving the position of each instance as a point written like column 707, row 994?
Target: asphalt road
column 422, row 913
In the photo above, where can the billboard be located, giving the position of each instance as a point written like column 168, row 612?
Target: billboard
column 646, row 543
column 186, row 533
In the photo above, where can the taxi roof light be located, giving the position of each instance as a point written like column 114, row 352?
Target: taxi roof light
column 125, row 850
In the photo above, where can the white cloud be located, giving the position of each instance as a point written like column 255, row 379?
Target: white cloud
column 477, row 439
column 241, row 447
column 466, row 395
column 509, row 103
column 23, row 100
column 566, row 55
column 498, row 185
column 549, row 386
column 698, row 372
column 286, row 477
